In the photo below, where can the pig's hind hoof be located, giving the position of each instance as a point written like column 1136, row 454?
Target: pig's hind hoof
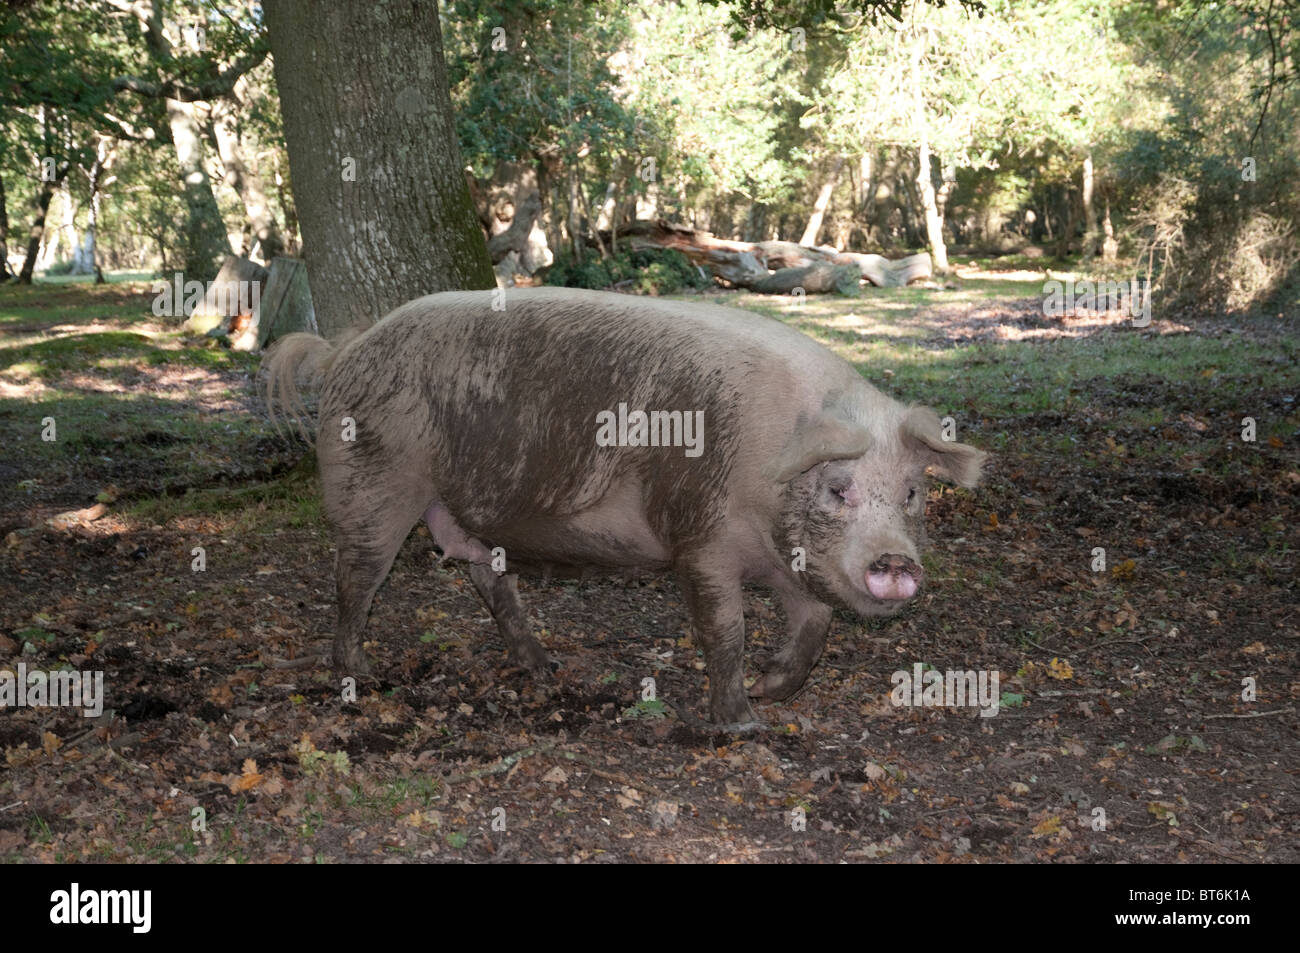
column 775, row 686
column 543, row 668
column 749, row 726
column 354, row 664
column 743, row 728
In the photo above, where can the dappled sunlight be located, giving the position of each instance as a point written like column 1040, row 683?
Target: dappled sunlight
column 28, row 387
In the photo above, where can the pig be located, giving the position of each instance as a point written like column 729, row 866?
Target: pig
column 588, row 429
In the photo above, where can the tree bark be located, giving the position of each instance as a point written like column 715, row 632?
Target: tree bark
column 204, row 235
column 819, row 207
column 376, row 166
column 1089, row 212
column 105, row 153
column 6, row 274
column 1109, row 246
column 206, row 241
column 817, row 278
column 37, row 232
column 930, row 205
column 924, row 181
column 242, row 176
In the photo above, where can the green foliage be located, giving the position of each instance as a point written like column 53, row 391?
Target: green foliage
column 648, row 271
column 1217, row 231
column 533, row 79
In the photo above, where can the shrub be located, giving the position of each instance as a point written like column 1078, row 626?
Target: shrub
column 649, row 271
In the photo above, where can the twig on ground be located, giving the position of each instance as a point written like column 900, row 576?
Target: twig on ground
column 1253, row 714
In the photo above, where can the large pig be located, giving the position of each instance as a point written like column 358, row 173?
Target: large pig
column 580, row 428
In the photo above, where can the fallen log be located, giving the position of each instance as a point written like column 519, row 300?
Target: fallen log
column 883, row 273
column 818, row 278
column 774, row 267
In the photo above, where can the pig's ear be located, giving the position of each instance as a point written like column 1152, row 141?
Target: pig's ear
column 824, row 438
column 955, row 462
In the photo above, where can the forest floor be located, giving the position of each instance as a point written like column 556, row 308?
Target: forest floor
column 1127, row 730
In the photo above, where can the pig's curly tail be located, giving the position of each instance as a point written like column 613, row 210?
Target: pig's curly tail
column 295, row 361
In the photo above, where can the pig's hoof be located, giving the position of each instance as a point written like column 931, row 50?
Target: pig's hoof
column 775, row 686
column 739, row 718
column 742, row 728
column 353, row 663
column 533, row 659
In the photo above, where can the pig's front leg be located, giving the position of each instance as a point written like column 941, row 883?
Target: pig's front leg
column 717, row 615
column 808, row 622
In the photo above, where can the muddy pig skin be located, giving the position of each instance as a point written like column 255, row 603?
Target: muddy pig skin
column 580, row 428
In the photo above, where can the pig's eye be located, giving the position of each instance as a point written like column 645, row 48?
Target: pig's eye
column 912, row 496
column 845, row 491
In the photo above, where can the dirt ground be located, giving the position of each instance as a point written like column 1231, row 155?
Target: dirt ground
column 1122, row 734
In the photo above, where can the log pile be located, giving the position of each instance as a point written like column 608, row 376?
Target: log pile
column 776, row 267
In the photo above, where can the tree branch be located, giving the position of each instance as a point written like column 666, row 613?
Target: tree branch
column 216, row 87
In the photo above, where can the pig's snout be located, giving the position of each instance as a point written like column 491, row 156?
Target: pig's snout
column 893, row 578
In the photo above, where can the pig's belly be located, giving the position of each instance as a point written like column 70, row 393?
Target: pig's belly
column 612, row 534
column 579, row 541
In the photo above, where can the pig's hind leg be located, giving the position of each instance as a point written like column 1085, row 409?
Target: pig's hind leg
column 501, row 593
column 369, row 527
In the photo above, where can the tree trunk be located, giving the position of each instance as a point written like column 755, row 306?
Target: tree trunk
column 867, row 197
column 241, row 175
column 1109, row 246
column 42, row 205
column 819, row 207
column 817, row 278
column 4, row 234
column 292, row 235
column 571, row 223
column 930, row 205
column 605, row 220
column 376, row 165
column 105, row 153
column 65, row 235
column 1089, row 212
column 206, row 243
column 924, row 181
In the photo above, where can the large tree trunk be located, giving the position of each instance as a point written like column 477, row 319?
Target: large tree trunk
column 819, row 207
column 377, row 171
column 42, row 207
column 242, row 176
